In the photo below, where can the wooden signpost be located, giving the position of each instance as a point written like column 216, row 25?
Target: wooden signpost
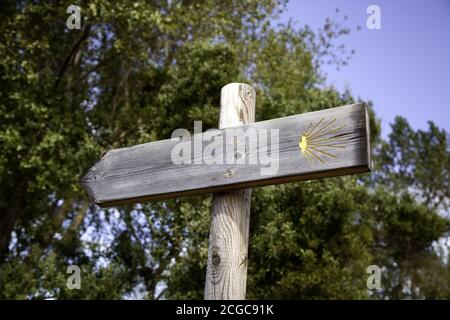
column 229, row 161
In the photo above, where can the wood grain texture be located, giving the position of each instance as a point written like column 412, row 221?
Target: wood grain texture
column 226, row 269
column 146, row 172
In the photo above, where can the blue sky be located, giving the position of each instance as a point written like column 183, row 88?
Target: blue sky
column 404, row 67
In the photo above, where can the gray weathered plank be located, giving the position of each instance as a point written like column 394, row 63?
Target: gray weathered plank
column 146, row 172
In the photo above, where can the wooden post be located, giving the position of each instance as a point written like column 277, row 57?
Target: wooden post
column 325, row 143
column 226, row 271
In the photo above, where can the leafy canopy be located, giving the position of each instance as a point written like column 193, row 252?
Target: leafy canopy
column 138, row 70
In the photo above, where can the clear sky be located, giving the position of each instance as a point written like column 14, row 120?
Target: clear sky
column 404, row 67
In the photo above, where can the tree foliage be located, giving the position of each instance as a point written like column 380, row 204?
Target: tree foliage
column 136, row 71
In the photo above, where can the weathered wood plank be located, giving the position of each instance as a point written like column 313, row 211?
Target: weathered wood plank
column 226, row 269
column 146, row 172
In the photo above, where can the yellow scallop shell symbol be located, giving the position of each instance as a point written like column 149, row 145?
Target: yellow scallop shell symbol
column 316, row 143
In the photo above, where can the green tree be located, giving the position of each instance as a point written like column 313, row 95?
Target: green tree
column 410, row 211
column 135, row 72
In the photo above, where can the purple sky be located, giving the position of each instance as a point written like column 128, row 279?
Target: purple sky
column 404, row 68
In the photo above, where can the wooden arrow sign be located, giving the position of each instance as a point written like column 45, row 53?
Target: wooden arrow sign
column 318, row 144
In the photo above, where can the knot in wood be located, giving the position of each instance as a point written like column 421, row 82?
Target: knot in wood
column 215, row 260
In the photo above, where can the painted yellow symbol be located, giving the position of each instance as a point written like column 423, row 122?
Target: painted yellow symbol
column 316, row 142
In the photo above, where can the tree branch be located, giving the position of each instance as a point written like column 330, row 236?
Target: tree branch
column 84, row 35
